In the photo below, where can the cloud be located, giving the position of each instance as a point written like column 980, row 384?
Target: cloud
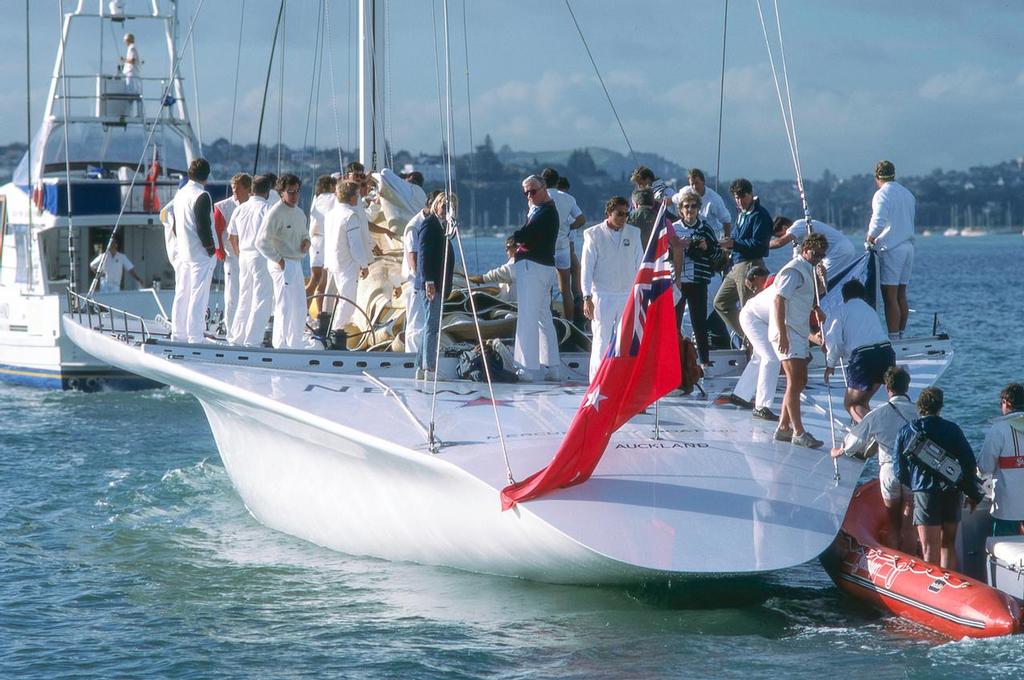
column 967, row 81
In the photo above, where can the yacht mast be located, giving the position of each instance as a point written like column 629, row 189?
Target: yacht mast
column 371, row 83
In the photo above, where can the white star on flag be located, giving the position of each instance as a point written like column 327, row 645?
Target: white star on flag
column 594, row 399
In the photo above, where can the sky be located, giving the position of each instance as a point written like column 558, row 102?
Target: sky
column 925, row 83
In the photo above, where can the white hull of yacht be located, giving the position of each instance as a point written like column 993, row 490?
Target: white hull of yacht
column 340, row 460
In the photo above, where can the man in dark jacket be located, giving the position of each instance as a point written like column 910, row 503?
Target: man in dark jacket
column 435, row 262
column 536, row 343
column 749, row 245
column 936, row 502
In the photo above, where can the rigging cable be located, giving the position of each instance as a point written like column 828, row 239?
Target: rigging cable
column 280, row 89
column 386, row 105
column 721, row 98
column 266, row 88
column 238, row 63
column 330, row 64
column 164, row 98
column 313, row 101
column 28, row 133
column 195, row 93
column 601, row 80
column 472, row 147
column 437, row 77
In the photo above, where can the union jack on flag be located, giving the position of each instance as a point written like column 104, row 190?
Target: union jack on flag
column 641, row 366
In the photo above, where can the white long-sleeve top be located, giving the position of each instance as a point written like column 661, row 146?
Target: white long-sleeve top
column 409, row 243
column 346, row 239
column 505, row 276
column 892, row 216
column 853, row 324
column 282, row 232
column 882, row 424
column 322, row 205
column 840, row 248
column 1002, row 459
column 610, row 259
column 713, row 210
column 760, row 306
column 245, row 222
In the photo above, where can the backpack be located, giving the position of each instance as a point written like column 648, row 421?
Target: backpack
column 691, row 370
column 471, row 366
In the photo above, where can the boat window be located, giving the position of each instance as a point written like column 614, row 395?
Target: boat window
column 23, row 252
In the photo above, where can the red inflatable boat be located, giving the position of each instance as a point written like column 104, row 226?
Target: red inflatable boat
column 947, row 602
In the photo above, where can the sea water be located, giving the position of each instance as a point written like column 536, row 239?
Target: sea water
column 125, row 551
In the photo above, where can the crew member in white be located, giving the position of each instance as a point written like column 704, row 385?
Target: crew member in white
column 241, row 189
column 891, row 232
column 612, row 253
column 323, row 201
column 840, row 253
column 347, row 253
column 1002, row 460
column 569, row 217
column 795, row 298
column 504, row 274
column 712, row 206
column 854, row 334
column 193, row 220
column 760, row 376
column 255, row 288
column 881, row 426
column 131, row 65
column 414, row 316
column 110, row 270
column 284, row 240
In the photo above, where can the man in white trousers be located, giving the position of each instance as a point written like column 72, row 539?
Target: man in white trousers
column 347, row 253
column 255, row 288
column 193, row 220
column 241, row 189
column 760, row 377
column 612, row 253
column 284, row 241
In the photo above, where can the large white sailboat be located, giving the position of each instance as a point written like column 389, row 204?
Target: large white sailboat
column 348, row 450
column 106, row 155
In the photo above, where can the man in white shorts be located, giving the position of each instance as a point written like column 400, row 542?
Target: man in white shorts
column 891, row 233
column 569, row 217
column 323, row 201
column 881, row 426
column 795, row 299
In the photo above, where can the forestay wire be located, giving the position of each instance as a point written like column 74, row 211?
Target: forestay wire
column 453, row 227
column 785, row 98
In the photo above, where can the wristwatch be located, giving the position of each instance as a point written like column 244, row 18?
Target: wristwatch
column 587, row 298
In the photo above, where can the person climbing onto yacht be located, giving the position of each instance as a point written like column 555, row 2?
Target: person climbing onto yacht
column 891, row 234
column 854, row 334
column 881, row 426
column 1002, row 459
column 795, row 299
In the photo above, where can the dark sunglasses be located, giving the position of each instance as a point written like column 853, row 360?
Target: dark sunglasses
column 530, row 192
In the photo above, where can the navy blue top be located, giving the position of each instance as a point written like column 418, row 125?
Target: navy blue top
column 430, row 253
column 537, row 237
column 752, row 233
column 946, row 434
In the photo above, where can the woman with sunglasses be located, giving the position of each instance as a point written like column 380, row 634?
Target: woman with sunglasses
column 693, row 249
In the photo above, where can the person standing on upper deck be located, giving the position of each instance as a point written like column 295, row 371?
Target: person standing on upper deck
column 284, row 240
column 749, row 248
column 193, row 220
column 612, row 254
column 712, row 207
column 131, row 65
column 891, row 232
column 255, row 288
column 569, row 217
column 536, row 342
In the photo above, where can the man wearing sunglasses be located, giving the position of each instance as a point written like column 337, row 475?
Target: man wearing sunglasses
column 284, row 239
column 536, row 343
column 612, row 253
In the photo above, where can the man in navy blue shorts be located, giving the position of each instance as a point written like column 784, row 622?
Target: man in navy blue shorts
column 854, row 335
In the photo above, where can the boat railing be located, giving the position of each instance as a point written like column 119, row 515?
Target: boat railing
column 118, row 323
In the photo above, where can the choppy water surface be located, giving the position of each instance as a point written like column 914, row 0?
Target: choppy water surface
column 125, row 551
